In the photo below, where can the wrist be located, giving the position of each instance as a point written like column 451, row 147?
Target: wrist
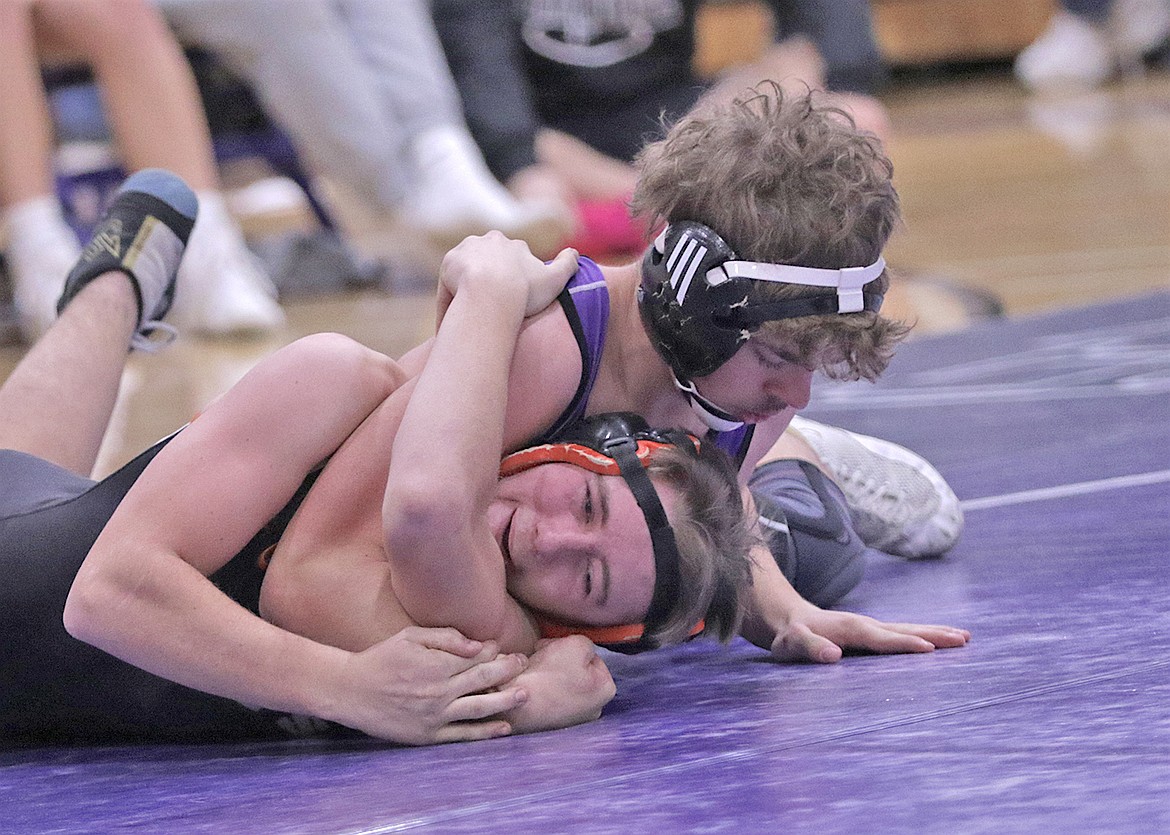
column 492, row 292
column 321, row 690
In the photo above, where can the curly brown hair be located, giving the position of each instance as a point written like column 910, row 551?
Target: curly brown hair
column 786, row 179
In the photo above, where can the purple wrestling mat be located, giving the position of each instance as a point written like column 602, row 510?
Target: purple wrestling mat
column 1053, row 430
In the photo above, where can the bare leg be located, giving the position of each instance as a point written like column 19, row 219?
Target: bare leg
column 57, row 401
column 149, row 92
column 790, row 445
column 25, row 133
column 153, row 106
column 40, row 245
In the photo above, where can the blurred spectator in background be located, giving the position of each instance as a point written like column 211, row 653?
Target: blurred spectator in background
column 153, row 107
column 365, row 93
column 1087, row 42
column 562, row 95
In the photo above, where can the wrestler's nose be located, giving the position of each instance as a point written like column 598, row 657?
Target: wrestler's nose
column 793, row 385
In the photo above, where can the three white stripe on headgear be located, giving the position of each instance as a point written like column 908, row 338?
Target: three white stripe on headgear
column 682, row 263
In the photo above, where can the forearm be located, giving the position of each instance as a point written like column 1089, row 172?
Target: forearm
column 772, row 601
column 168, row 619
column 460, row 400
column 445, row 567
column 462, row 393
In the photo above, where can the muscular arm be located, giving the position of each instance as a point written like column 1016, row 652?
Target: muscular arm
column 446, row 567
column 143, row 595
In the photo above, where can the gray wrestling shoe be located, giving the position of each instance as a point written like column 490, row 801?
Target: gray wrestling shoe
column 897, row 501
column 143, row 234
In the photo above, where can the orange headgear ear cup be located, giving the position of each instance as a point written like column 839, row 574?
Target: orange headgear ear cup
column 623, row 638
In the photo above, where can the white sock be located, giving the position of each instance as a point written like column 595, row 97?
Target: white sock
column 38, row 221
column 223, row 288
column 41, row 249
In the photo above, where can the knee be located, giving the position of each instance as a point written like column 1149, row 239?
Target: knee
column 811, row 537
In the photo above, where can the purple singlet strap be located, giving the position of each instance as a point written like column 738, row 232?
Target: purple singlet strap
column 585, row 301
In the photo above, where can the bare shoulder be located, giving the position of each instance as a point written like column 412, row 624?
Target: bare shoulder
column 327, row 355
column 305, row 398
column 546, row 372
column 549, row 337
column 241, row 460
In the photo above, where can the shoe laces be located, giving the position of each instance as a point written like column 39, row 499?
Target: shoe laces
column 888, row 499
column 153, row 336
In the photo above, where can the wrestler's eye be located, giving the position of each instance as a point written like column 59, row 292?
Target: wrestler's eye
column 588, row 504
column 589, row 580
column 771, row 358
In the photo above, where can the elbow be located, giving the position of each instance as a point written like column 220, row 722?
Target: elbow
column 414, row 515
column 342, row 364
column 100, row 601
column 88, row 600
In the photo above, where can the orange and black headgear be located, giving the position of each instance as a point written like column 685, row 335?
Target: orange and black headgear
column 620, row 443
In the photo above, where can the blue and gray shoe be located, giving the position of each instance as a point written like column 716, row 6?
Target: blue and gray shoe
column 143, row 234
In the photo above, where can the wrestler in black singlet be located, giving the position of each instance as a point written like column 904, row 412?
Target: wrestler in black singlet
column 56, row 689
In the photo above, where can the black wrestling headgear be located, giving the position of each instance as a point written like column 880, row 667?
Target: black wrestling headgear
column 698, row 302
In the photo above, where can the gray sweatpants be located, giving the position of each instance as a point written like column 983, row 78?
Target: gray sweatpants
column 352, row 81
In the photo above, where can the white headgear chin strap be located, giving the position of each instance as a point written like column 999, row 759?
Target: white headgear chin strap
column 711, row 415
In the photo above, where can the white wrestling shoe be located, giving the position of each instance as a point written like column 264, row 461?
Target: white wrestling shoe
column 898, row 502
